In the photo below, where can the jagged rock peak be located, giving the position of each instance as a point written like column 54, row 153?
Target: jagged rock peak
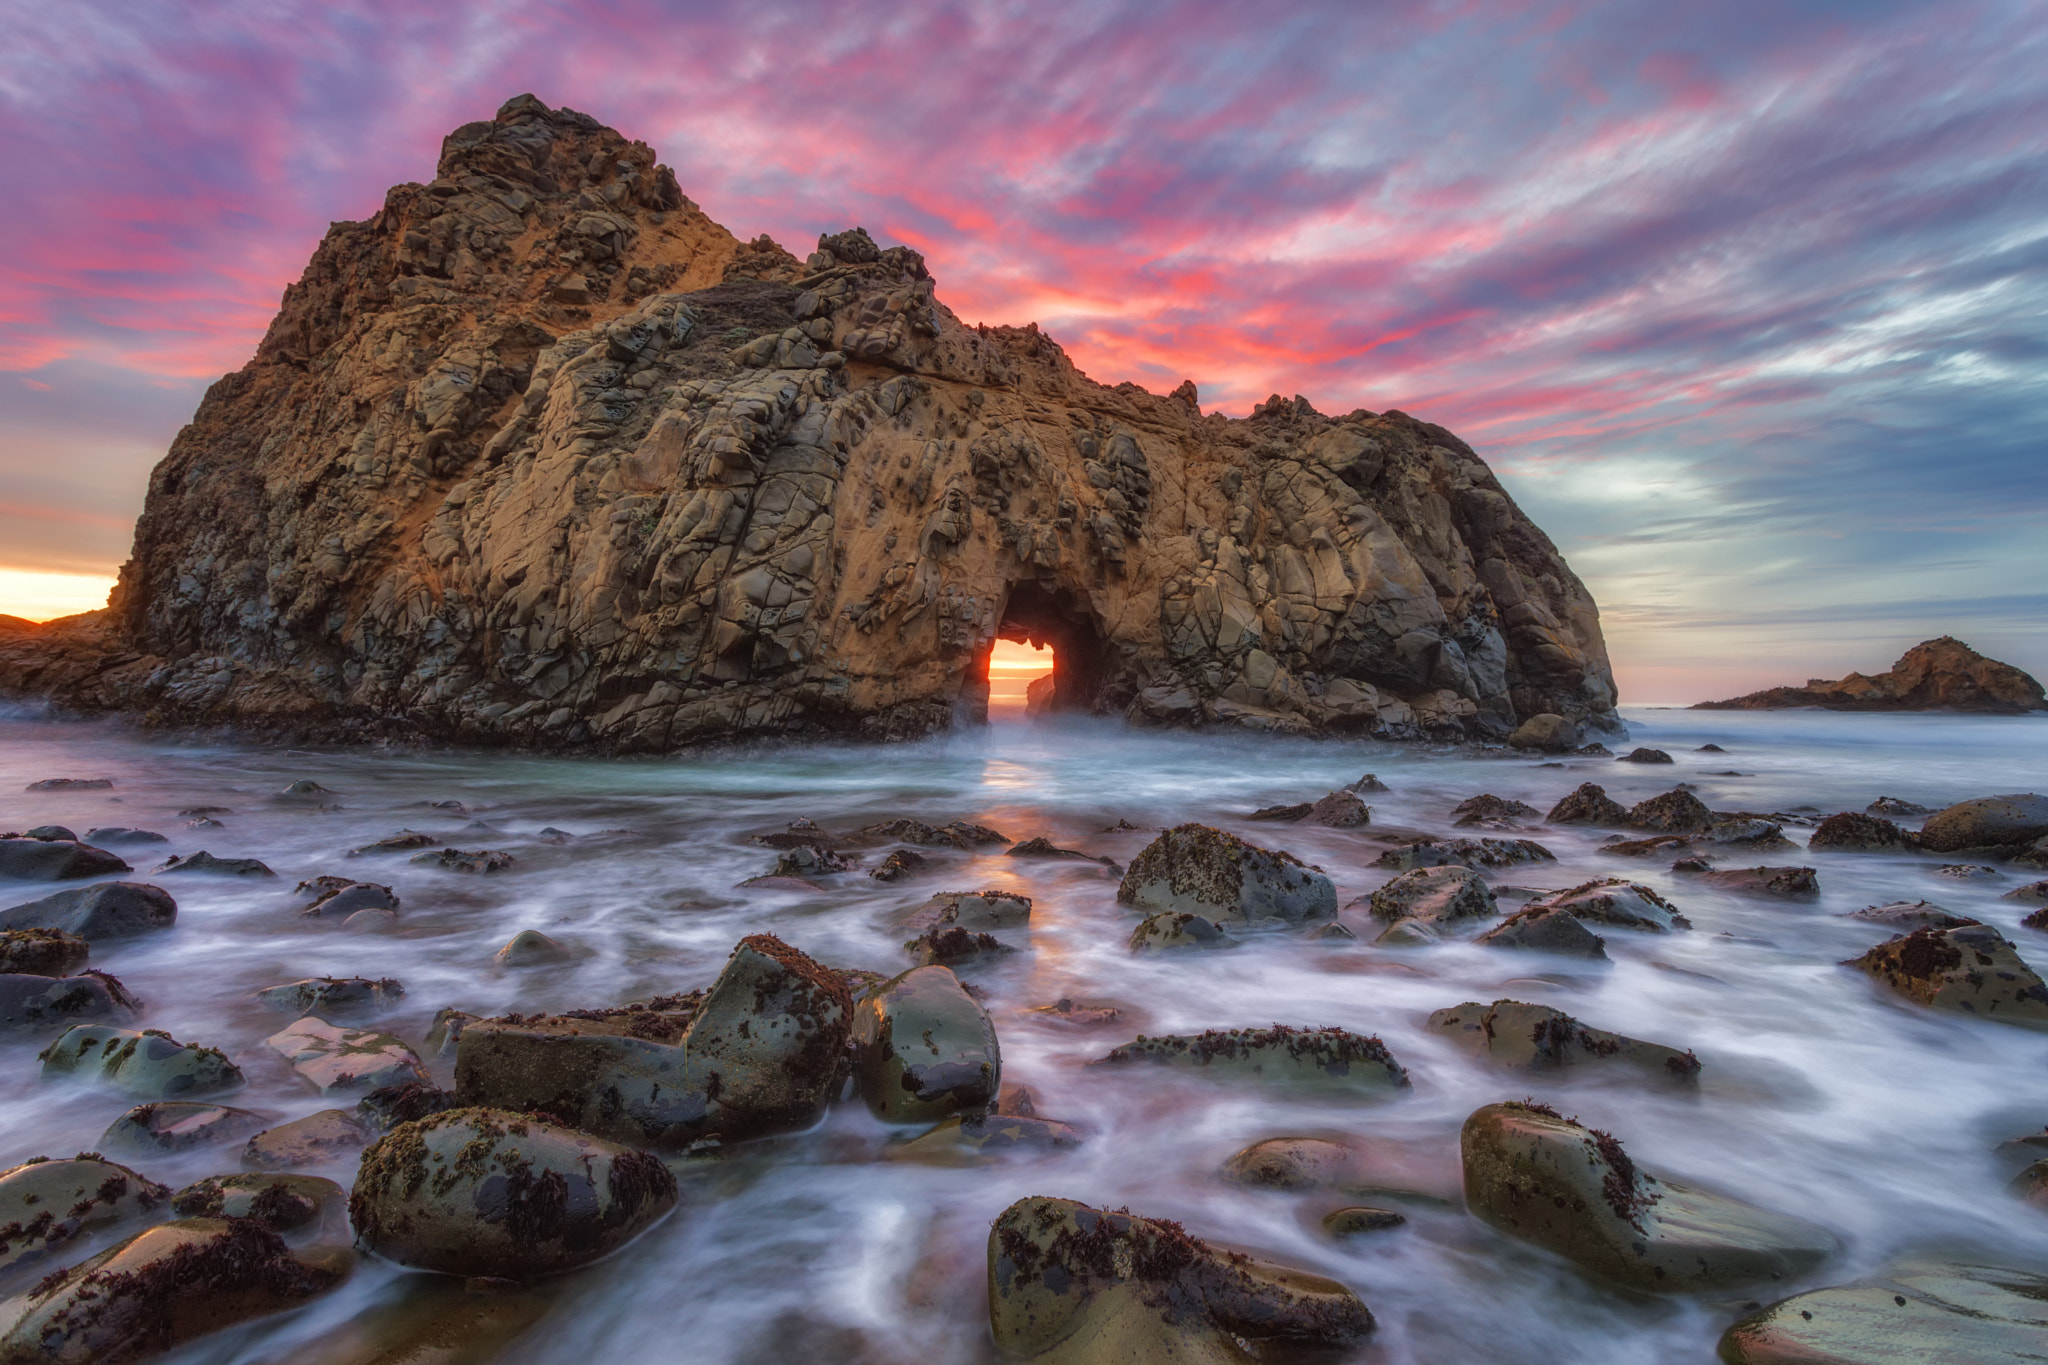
column 540, row 454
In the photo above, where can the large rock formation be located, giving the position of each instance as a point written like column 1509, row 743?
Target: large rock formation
column 1934, row 675
column 541, row 454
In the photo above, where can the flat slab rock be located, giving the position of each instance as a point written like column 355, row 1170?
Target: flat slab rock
column 345, row 1060
column 1574, row 1190
column 1213, row 873
column 1317, row 1056
column 1074, row 1285
column 1916, row 1313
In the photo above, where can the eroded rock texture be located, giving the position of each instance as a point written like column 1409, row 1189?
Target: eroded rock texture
column 540, row 454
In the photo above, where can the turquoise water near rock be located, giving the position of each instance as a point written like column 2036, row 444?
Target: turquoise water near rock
column 1819, row 1096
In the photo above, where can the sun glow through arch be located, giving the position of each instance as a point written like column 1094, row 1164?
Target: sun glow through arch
column 1012, row 667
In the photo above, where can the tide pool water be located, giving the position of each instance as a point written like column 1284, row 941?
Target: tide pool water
column 1820, row 1096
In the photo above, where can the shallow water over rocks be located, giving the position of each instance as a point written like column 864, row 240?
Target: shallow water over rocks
column 1820, row 1096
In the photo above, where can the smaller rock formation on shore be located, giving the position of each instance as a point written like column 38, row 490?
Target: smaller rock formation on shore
column 1917, row 1311
column 1935, row 675
column 1216, row 874
column 1969, row 969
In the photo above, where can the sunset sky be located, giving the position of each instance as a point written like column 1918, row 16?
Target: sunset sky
column 1747, row 303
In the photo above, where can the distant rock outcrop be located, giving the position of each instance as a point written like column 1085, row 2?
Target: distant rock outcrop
column 1935, row 675
column 540, row 454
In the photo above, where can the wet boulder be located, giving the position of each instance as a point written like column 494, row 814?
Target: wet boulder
column 46, row 1206
column 924, row 1049
column 1588, row 804
column 46, row 1004
column 484, row 1192
column 2033, row 893
column 1916, row 1311
column 1575, row 1191
column 955, row 947
column 1073, row 1285
column 281, row 1203
column 477, row 862
column 1905, row 916
column 1987, row 822
column 110, row 910
column 969, row 1138
column 1850, row 832
column 1645, row 756
column 305, row 791
column 1970, row 969
column 383, row 1110
column 1618, row 902
column 41, row 952
column 1522, row 1037
column 1473, row 853
column 1435, row 895
column 116, row 836
column 812, row 860
column 343, row 1060
column 204, row 864
column 51, row 833
column 1339, row 810
column 55, row 860
column 973, row 910
column 1892, row 805
column 338, row 902
column 320, row 994
column 1217, row 875
column 330, row 1135
column 900, row 865
column 71, row 784
column 1359, row 1220
column 960, row 834
column 405, row 841
column 1675, row 812
column 1171, row 931
column 174, row 1283
column 1547, row 733
column 178, row 1126
column 1409, row 933
column 1045, row 848
column 762, row 1053
column 1280, row 1054
column 1546, row 929
column 1780, row 883
column 531, row 948
column 150, row 1065
column 1492, row 812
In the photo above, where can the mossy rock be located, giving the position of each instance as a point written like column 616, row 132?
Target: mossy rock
column 1435, row 895
column 47, row 1206
column 1523, row 1037
column 1618, row 902
column 1969, row 969
column 1212, row 873
column 150, row 1065
column 282, row 1203
column 41, row 952
column 1172, row 931
column 1317, row 1056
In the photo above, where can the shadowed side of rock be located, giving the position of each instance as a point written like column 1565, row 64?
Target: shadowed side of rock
column 541, row 455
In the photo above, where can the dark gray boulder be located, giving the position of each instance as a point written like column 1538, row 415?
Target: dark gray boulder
column 56, row 860
column 204, row 864
column 42, row 952
column 1547, row 929
column 44, row 1004
column 1986, row 822
column 925, row 1049
column 111, row 910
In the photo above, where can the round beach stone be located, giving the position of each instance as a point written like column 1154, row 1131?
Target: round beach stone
column 45, row 1206
column 1986, row 822
column 178, row 1126
column 55, row 860
column 330, row 1135
column 1173, row 930
column 46, row 1004
column 150, row 1065
column 531, row 948
column 1618, row 902
column 1359, row 1220
column 1546, row 929
column 1435, row 895
column 488, row 1192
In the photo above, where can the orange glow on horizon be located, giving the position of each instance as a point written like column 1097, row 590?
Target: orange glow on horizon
column 1012, row 668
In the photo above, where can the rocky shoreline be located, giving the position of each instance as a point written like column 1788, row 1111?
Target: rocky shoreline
column 509, row 1150
column 1934, row 675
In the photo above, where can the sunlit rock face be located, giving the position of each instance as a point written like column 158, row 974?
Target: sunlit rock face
column 540, row 454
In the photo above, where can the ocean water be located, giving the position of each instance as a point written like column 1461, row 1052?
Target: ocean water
column 1820, row 1097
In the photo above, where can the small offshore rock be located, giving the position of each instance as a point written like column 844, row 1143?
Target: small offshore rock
column 329, row 1135
column 954, row 947
column 1473, row 853
column 1073, row 1285
column 1435, row 895
column 1366, row 785
column 150, row 1065
column 1616, row 901
column 924, row 1049
column 1675, row 812
column 531, row 948
column 405, row 841
column 899, row 865
column 1892, row 805
column 1409, row 933
column 1969, row 969
column 1538, row 1038
column 319, row 994
column 1045, row 848
column 1360, row 1220
column 1339, row 810
column 1547, row 929
column 456, row 860
column 1849, row 832
column 45, row 1206
column 1279, row 1053
column 1170, row 931
column 812, row 860
column 1575, row 1191
column 1986, row 822
column 1916, row 1311
column 1786, row 883
column 1965, row 872
column 1645, row 756
column 485, row 1192
column 341, row 1060
column 1546, row 733
column 967, row 1138
column 1588, row 804
column 55, row 860
column 305, row 789
column 51, row 834
column 71, row 784
column 42, row 952
column 281, row 1203
column 205, row 864
column 178, row 1126
column 1292, row 1163
column 2033, row 893
column 971, row 910
column 1283, row 814
column 338, row 903
column 161, row 1288
column 1066, row 1011
column 1218, row 875
column 959, row 834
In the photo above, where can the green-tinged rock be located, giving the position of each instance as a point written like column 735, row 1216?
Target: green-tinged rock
column 282, row 1203
column 1329, row 1056
column 150, row 1065
column 971, row 910
column 321, row 994
column 1916, row 1313
column 491, row 1193
column 1986, row 822
column 161, row 1288
column 966, row 1139
column 1211, row 873
column 763, row 1052
column 177, row 1126
column 1174, row 930
column 1969, row 969
column 531, row 948
column 47, row 1206
column 1073, row 1285
column 1523, row 1037
column 925, row 1049
column 1574, row 1190
column 344, row 1060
